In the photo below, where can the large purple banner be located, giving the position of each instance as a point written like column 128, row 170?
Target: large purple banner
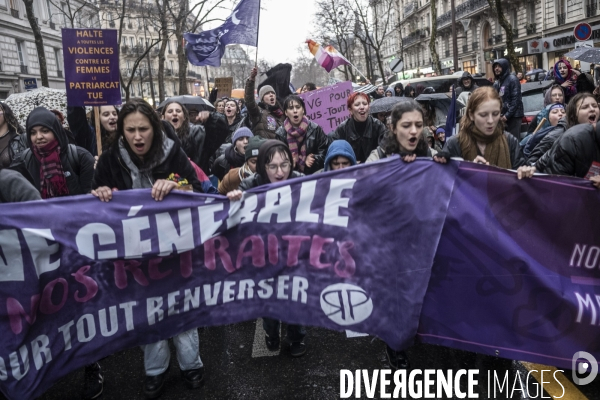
column 91, row 63
column 81, row 279
column 517, row 269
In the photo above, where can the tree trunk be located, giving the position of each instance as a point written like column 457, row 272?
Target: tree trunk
column 39, row 42
column 182, row 59
column 437, row 65
column 150, row 78
column 162, row 9
column 512, row 57
column 496, row 7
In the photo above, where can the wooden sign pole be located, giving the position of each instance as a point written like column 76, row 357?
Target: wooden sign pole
column 98, row 133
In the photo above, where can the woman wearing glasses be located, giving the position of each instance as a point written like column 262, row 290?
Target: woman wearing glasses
column 274, row 164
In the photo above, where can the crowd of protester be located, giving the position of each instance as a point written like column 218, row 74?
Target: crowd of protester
column 260, row 141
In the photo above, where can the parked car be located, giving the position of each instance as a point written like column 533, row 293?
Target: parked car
column 441, row 84
column 532, row 94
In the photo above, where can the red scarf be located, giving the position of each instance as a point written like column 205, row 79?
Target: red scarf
column 295, row 138
column 52, row 177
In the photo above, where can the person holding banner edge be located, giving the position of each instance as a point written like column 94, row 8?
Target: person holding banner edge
column 275, row 164
column 146, row 152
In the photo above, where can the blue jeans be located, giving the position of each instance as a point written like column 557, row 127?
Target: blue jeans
column 295, row 333
column 157, row 355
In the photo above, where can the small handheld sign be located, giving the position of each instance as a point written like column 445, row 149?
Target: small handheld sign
column 582, row 31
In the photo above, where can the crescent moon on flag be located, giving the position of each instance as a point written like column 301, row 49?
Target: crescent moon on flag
column 234, row 19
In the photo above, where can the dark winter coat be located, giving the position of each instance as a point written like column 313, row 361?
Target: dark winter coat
column 509, row 88
column 575, row 151
column 538, row 152
column 15, row 188
column 16, row 144
column 461, row 87
column 83, row 133
column 316, row 142
column 203, row 141
column 262, row 122
column 226, row 161
column 112, row 171
column 77, row 163
column 452, row 147
column 362, row 145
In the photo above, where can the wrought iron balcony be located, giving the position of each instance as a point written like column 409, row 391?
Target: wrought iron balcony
column 410, row 8
column 111, row 24
column 124, row 49
column 14, row 13
column 447, row 53
column 23, row 69
column 59, row 73
column 530, row 28
column 498, row 39
column 490, row 41
column 411, row 39
column 561, row 19
column 52, row 25
column 462, row 10
column 465, row 48
column 515, row 32
column 475, row 45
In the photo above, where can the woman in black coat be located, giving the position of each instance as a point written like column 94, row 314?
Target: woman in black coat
column 55, row 167
column 361, row 130
column 306, row 140
column 199, row 142
column 145, row 153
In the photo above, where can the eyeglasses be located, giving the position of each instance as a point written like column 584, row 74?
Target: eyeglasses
column 285, row 167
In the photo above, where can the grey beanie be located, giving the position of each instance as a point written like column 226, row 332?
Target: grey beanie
column 264, row 90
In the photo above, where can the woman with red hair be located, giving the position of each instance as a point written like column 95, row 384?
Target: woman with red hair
column 361, row 130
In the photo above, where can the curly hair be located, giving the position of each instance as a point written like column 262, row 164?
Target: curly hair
column 183, row 132
column 11, row 120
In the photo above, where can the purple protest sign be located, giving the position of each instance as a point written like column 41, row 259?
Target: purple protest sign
column 81, row 279
column 517, row 269
column 327, row 106
column 91, row 62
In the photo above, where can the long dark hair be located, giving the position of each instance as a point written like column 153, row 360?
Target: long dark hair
column 390, row 143
column 11, row 120
column 184, row 130
column 107, row 138
column 156, row 148
column 573, row 108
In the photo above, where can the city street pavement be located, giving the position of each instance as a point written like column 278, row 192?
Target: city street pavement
column 238, row 366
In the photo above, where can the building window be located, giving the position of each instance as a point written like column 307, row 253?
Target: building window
column 59, row 60
column 531, row 12
column 21, row 52
column 470, row 67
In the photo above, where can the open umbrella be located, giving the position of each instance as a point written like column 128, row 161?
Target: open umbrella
column 385, row 104
column 190, row 102
column 535, row 71
column 585, row 54
column 23, row 103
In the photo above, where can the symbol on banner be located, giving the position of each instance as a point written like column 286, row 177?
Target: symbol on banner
column 346, row 304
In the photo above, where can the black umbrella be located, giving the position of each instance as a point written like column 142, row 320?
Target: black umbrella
column 585, row 54
column 385, row 104
column 196, row 103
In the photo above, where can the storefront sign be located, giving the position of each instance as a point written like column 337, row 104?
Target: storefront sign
column 30, row 83
column 559, row 42
column 447, row 63
column 518, row 50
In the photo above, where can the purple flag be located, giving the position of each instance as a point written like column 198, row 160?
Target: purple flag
column 241, row 27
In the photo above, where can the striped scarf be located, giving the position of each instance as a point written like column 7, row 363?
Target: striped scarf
column 295, row 138
column 52, row 177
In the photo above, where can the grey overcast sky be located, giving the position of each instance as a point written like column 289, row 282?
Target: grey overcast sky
column 284, row 25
